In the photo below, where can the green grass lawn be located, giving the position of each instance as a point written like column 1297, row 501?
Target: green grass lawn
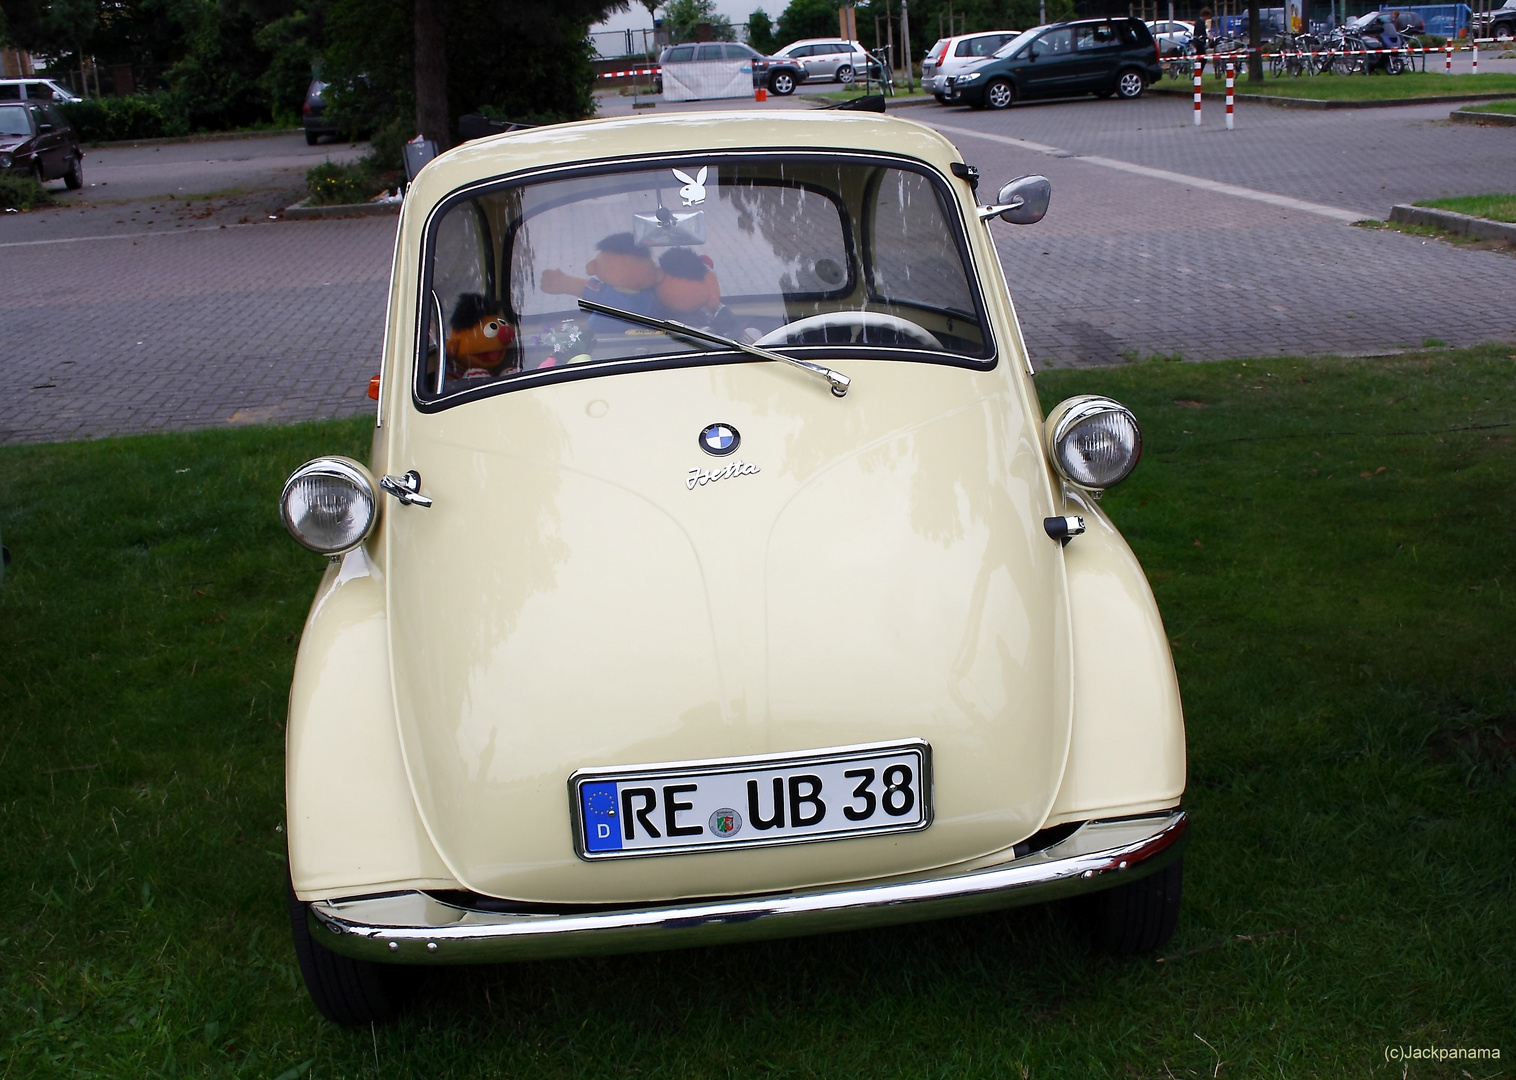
column 1429, row 85
column 1494, row 207
column 1330, row 542
column 1506, row 107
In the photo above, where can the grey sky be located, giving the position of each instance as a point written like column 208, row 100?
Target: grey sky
column 736, row 10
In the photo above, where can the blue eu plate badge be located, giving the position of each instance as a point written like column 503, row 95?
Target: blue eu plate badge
column 602, row 832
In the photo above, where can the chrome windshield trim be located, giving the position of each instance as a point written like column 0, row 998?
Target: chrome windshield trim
column 414, row 927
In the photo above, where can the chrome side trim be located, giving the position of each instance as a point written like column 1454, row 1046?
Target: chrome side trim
column 414, row 928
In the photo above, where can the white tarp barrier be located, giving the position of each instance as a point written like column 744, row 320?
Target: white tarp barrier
column 706, row 79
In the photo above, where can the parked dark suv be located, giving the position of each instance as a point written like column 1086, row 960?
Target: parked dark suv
column 36, row 138
column 1087, row 56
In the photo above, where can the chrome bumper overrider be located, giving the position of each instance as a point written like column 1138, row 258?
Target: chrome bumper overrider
column 415, row 928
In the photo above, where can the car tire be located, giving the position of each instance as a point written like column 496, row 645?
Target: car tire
column 845, row 74
column 311, row 138
column 1130, row 84
column 999, row 94
column 346, row 991
column 941, row 99
column 782, row 83
column 1138, row 917
column 74, row 178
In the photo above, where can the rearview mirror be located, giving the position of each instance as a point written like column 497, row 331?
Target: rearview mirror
column 1021, row 202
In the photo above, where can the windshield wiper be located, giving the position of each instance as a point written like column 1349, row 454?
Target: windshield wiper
column 839, row 382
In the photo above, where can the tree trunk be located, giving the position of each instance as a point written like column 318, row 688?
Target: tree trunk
column 1255, row 57
column 431, row 73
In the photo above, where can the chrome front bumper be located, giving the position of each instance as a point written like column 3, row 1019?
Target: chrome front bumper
column 415, row 928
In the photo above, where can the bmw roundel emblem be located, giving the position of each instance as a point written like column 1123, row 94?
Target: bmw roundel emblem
column 719, row 439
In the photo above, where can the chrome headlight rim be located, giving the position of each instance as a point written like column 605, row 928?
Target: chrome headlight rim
column 5, row 161
column 342, row 468
column 1073, row 411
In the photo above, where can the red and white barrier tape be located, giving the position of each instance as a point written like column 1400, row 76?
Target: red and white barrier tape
column 629, row 71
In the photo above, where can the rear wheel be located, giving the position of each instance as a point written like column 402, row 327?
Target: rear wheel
column 999, row 94
column 311, row 138
column 1138, row 917
column 344, row 990
column 74, row 178
column 845, row 74
column 782, row 83
column 1129, row 84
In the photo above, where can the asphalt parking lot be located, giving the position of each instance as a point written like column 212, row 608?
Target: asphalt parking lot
column 163, row 296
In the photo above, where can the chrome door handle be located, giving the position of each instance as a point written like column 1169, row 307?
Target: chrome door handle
column 406, row 488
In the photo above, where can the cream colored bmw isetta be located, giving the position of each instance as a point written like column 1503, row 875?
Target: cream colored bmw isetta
column 715, row 575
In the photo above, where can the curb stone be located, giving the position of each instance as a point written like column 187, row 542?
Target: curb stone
column 303, row 212
column 1464, row 116
column 1181, row 90
column 208, row 136
column 1453, row 222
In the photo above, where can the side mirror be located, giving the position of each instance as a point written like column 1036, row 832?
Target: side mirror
column 1021, row 202
column 44, row 127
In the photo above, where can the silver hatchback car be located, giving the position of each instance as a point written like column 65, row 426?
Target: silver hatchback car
column 828, row 58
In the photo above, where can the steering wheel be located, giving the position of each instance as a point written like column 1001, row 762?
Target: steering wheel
column 861, row 321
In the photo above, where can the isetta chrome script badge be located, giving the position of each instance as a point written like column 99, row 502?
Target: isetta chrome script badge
column 701, row 477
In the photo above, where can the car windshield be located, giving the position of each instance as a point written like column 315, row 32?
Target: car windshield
column 1363, row 21
column 862, row 257
column 13, row 121
column 1017, row 43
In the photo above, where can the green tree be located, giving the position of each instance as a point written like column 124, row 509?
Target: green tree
column 760, row 32
column 681, row 17
column 515, row 59
column 807, row 19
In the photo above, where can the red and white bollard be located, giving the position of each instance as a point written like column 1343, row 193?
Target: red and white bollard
column 1476, row 58
column 1230, row 69
column 1199, row 73
column 1448, row 64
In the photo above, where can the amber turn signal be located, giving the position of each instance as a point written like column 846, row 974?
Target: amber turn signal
column 373, row 388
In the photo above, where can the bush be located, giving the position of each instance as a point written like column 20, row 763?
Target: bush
column 332, row 184
column 106, row 119
column 20, row 191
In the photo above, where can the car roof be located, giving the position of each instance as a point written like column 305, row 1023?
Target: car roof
column 823, row 41
column 630, row 138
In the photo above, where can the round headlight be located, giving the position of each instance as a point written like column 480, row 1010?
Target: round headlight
column 328, row 505
column 1094, row 442
column 5, row 161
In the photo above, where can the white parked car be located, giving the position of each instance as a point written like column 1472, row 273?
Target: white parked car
column 830, row 58
column 955, row 55
column 36, row 90
column 715, row 574
column 1172, row 35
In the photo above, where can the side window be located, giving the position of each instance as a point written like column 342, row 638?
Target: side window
column 463, row 296
column 680, row 54
column 803, row 51
column 1055, row 43
column 739, row 52
column 965, row 48
column 1096, row 36
column 10, row 92
column 708, row 52
column 54, row 117
column 911, row 252
column 39, row 92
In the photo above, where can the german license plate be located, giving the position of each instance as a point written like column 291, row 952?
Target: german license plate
column 753, row 801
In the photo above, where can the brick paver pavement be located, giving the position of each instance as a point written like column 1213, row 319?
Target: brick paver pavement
column 276, row 322
column 282, row 321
